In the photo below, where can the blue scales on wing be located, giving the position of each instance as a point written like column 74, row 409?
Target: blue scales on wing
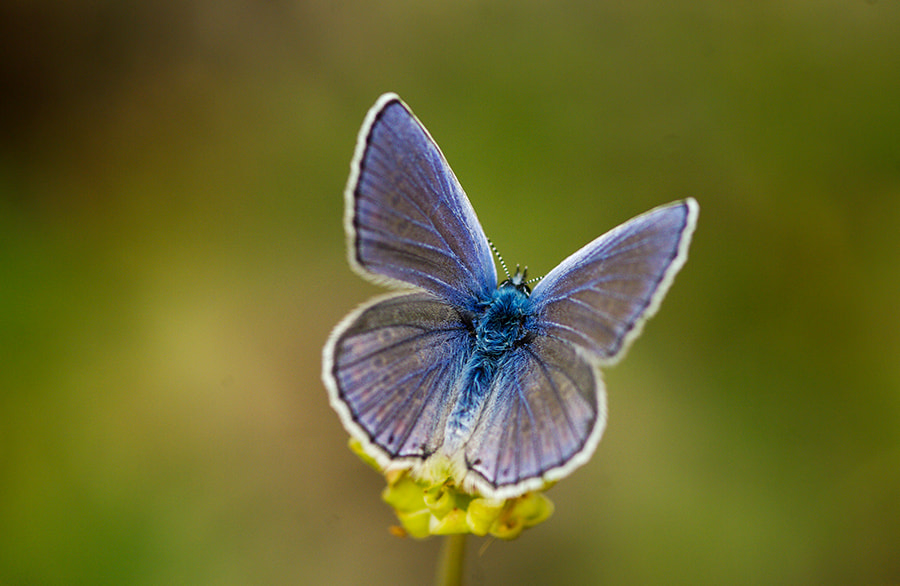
column 408, row 218
column 395, row 364
column 543, row 410
column 599, row 297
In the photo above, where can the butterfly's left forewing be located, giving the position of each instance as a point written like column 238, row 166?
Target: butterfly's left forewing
column 408, row 220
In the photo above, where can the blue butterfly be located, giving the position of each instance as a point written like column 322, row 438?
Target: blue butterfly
column 496, row 383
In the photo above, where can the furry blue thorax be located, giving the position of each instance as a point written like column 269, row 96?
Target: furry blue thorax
column 499, row 328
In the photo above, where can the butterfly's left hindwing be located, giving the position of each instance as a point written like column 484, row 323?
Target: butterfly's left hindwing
column 391, row 368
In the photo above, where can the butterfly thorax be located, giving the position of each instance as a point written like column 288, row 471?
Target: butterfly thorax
column 499, row 329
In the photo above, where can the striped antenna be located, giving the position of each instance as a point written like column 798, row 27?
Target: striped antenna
column 500, row 258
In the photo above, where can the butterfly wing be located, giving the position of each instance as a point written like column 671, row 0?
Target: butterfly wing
column 408, row 219
column 544, row 417
column 391, row 369
column 599, row 297
column 547, row 405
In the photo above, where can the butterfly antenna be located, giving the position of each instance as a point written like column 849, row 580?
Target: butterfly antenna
column 523, row 272
column 500, row 258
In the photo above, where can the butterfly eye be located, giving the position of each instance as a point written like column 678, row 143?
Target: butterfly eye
column 520, row 285
column 518, row 280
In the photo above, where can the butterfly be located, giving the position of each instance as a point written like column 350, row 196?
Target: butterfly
column 499, row 384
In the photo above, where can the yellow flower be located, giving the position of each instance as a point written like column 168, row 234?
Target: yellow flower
column 439, row 507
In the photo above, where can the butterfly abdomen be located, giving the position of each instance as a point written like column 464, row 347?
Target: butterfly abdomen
column 498, row 329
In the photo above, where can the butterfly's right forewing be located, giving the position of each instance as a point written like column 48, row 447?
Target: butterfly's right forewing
column 599, row 297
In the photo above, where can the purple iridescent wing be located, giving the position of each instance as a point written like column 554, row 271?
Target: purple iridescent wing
column 408, row 220
column 391, row 369
column 599, row 297
column 544, row 417
column 547, row 406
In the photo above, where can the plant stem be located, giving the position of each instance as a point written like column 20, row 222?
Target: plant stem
column 450, row 565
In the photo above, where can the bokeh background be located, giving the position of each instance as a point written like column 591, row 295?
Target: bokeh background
column 172, row 260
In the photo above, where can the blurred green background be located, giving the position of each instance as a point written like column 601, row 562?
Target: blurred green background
column 172, row 260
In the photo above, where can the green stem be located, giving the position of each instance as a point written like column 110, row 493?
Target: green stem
column 450, row 565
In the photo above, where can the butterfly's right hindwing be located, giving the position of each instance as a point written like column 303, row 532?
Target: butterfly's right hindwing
column 545, row 415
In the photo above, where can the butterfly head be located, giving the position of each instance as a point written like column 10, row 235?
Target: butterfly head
column 518, row 280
